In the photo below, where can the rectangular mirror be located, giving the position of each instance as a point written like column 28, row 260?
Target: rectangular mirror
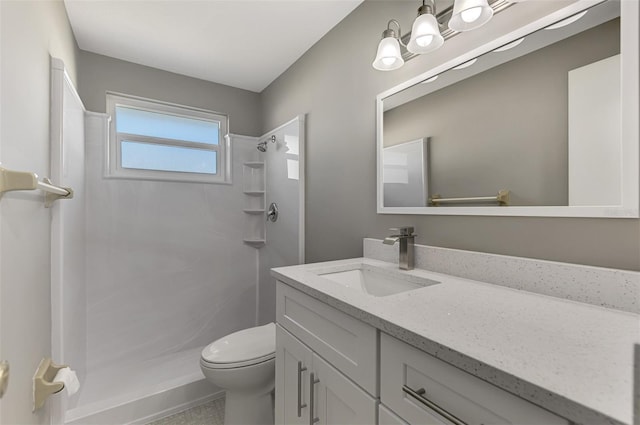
column 542, row 124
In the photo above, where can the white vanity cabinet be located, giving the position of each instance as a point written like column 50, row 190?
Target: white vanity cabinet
column 326, row 364
column 334, row 369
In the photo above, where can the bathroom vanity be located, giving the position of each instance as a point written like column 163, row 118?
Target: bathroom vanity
column 425, row 347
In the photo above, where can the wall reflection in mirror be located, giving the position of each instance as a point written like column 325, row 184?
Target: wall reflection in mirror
column 404, row 173
column 538, row 117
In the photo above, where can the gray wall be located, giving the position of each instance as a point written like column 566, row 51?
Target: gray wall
column 98, row 74
column 494, row 131
column 335, row 84
column 30, row 32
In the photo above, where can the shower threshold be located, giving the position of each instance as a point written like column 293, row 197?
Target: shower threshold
column 138, row 393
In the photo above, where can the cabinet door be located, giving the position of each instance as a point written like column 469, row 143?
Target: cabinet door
column 337, row 400
column 387, row 417
column 293, row 366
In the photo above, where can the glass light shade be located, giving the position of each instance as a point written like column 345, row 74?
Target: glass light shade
column 388, row 57
column 425, row 35
column 510, row 45
column 470, row 14
column 570, row 20
column 430, row 80
column 466, row 64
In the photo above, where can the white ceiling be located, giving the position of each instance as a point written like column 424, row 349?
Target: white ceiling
column 241, row 43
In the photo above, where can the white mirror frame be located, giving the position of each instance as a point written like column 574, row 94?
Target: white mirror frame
column 630, row 129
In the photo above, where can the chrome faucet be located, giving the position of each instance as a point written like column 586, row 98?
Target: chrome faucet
column 407, row 241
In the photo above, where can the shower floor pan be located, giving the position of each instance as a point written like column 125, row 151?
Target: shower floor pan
column 138, row 393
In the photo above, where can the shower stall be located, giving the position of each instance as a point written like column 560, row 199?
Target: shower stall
column 147, row 273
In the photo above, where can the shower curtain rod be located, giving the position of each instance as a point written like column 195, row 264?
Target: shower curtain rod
column 23, row 180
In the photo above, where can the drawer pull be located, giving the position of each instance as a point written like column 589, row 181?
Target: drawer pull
column 301, row 405
column 419, row 396
column 312, row 383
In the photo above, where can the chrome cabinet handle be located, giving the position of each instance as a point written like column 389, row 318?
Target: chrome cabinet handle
column 312, row 382
column 419, row 396
column 300, row 404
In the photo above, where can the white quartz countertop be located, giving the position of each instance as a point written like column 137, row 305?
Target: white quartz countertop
column 574, row 359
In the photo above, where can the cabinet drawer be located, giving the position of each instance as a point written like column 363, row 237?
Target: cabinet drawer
column 445, row 393
column 346, row 343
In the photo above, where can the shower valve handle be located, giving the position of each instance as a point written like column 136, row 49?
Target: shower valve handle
column 272, row 214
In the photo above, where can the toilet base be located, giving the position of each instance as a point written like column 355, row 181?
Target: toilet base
column 248, row 408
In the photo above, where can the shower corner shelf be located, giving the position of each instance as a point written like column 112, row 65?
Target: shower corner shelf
column 254, row 187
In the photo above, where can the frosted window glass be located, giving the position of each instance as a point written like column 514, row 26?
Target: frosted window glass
column 150, row 156
column 153, row 124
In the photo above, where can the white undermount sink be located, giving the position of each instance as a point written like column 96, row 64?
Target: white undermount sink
column 376, row 281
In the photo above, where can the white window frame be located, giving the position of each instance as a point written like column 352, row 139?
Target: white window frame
column 113, row 166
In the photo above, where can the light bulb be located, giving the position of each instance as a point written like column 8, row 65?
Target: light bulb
column 424, row 40
column 425, row 35
column 388, row 56
column 468, row 15
column 471, row 15
column 389, row 52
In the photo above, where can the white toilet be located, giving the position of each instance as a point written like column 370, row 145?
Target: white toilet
column 243, row 364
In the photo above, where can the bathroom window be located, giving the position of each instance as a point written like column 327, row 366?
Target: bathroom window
column 153, row 140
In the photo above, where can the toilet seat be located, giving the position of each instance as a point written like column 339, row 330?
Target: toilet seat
column 243, row 348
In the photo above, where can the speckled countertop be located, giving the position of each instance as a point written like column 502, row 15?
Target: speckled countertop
column 574, row 359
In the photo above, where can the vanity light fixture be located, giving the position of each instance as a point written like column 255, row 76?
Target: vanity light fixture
column 470, row 14
column 429, row 31
column 389, row 56
column 425, row 33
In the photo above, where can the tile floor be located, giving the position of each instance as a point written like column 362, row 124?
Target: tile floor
column 211, row 413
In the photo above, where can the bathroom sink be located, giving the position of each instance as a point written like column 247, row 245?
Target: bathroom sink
column 376, row 281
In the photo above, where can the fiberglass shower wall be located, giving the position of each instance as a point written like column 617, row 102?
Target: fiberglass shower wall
column 166, row 269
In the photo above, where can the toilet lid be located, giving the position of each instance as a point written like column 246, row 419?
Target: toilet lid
column 248, row 346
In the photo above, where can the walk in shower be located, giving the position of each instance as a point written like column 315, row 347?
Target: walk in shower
column 147, row 273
